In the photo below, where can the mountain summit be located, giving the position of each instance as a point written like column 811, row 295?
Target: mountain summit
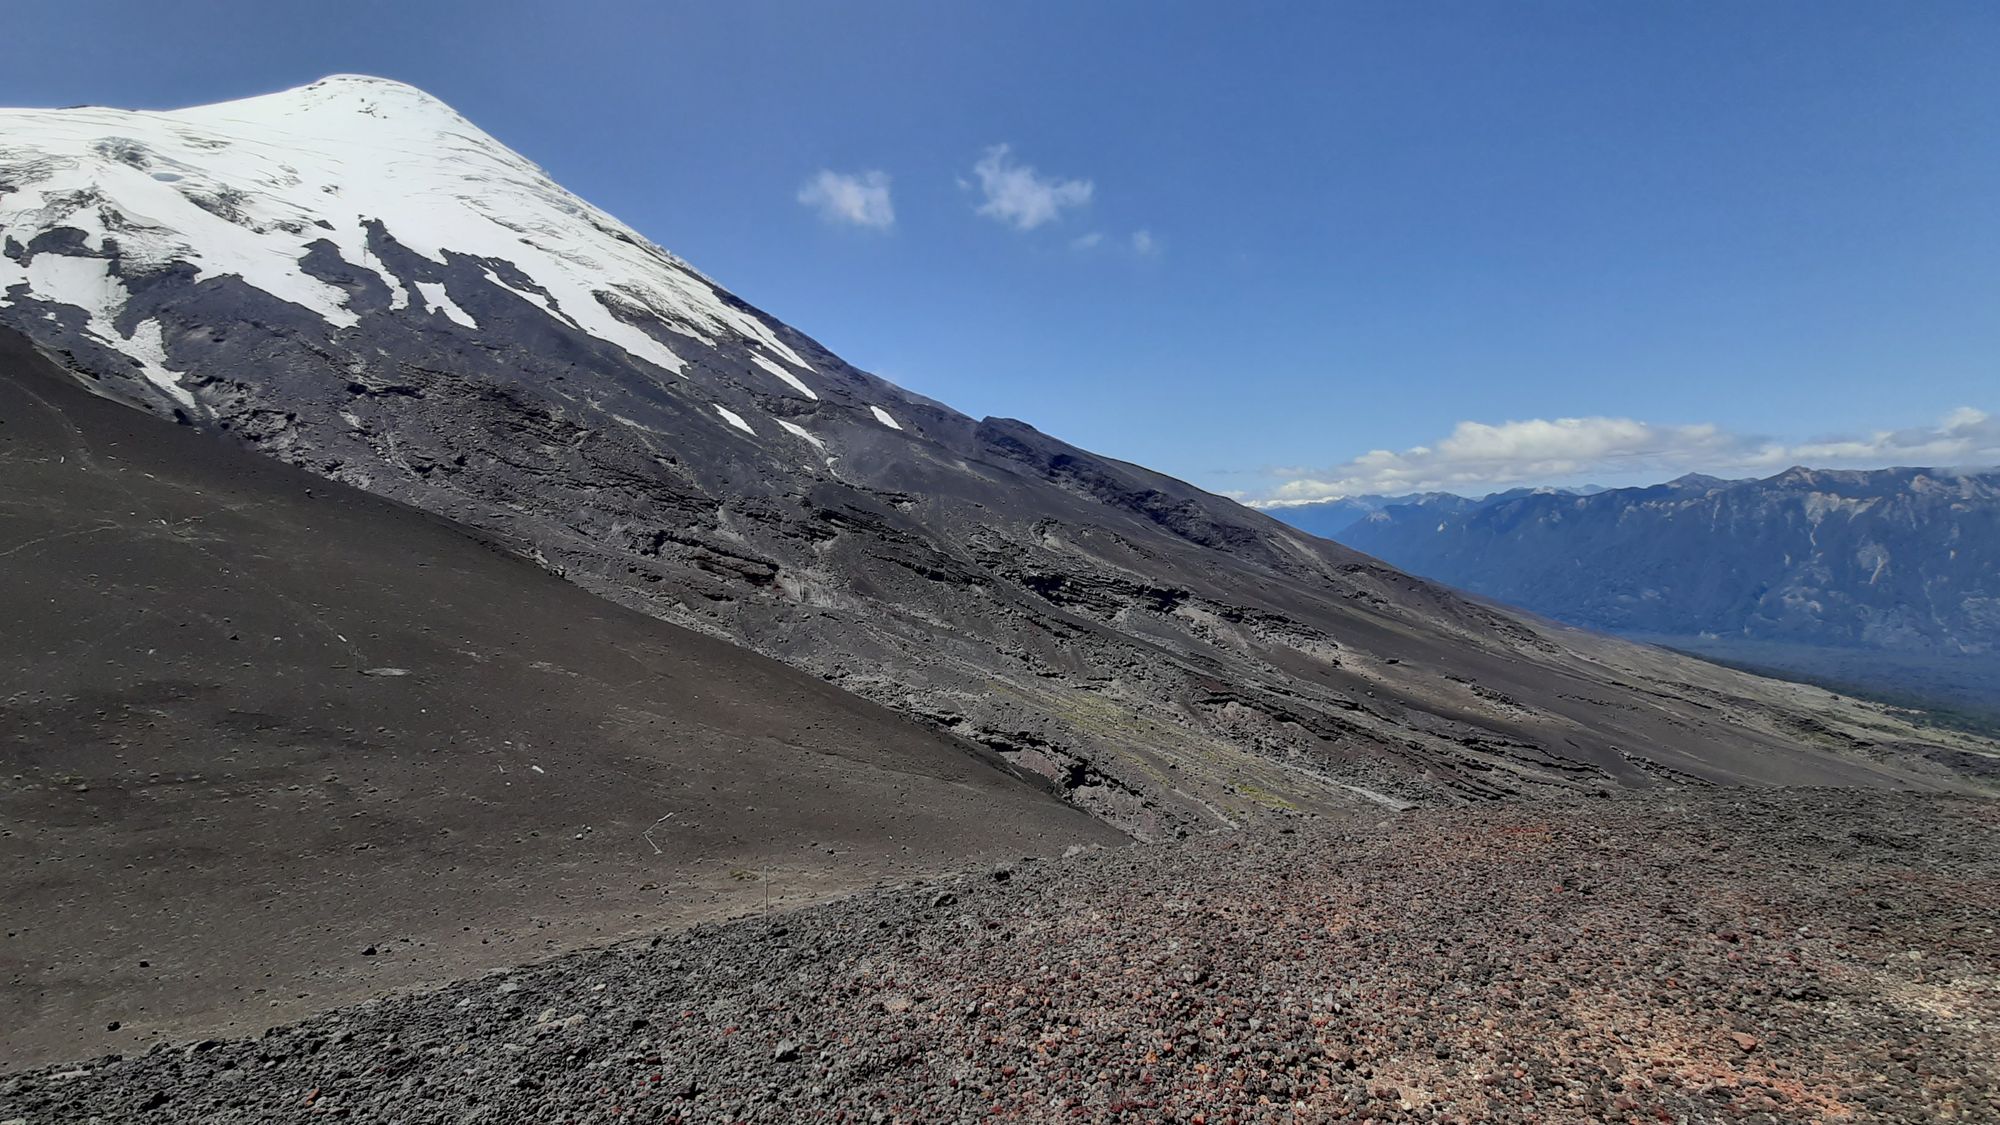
column 298, row 195
column 352, row 278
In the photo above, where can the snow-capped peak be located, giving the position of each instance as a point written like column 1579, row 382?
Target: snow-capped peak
column 253, row 188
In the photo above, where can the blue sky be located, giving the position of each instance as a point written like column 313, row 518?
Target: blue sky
column 1248, row 245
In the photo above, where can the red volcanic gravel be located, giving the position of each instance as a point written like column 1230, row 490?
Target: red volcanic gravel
column 1679, row 956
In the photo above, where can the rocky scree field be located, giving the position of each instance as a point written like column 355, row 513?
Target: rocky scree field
column 1690, row 957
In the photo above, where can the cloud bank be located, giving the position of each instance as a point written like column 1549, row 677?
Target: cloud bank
column 1476, row 457
column 1015, row 194
column 858, row 199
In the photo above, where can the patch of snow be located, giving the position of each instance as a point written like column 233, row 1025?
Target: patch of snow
column 150, row 349
column 399, row 294
column 882, row 416
column 797, row 430
column 1386, row 801
column 441, row 302
column 797, row 383
column 735, row 419
column 84, row 282
column 532, row 297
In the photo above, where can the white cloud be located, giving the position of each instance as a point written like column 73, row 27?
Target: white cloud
column 1477, row 457
column 861, row 199
column 1144, row 244
column 1015, row 194
column 1086, row 241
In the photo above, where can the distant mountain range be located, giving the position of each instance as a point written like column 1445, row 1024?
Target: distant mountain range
column 1331, row 518
column 1902, row 560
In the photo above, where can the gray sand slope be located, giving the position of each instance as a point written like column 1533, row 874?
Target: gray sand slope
column 255, row 724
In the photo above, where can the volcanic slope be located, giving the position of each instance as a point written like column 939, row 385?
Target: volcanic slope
column 270, row 743
column 351, row 277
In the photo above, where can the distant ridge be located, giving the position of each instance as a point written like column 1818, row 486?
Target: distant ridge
column 1903, row 559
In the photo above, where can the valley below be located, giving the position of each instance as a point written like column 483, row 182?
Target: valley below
column 1959, row 691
